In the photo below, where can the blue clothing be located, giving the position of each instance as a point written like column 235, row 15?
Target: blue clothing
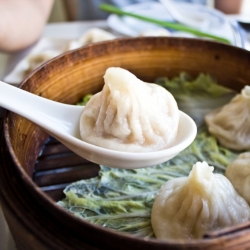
column 88, row 9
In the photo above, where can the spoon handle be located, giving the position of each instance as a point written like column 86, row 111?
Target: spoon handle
column 48, row 114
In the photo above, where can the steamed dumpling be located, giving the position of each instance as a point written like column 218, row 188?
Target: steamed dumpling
column 34, row 61
column 188, row 207
column 230, row 124
column 130, row 115
column 238, row 172
column 91, row 36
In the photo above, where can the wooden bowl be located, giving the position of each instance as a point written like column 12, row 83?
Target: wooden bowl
column 27, row 199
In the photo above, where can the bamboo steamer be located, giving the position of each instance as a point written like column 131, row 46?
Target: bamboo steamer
column 26, row 176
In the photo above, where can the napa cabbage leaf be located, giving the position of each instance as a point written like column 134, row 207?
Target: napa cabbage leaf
column 196, row 97
column 122, row 199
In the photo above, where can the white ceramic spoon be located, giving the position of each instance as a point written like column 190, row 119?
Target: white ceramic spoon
column 62, row 122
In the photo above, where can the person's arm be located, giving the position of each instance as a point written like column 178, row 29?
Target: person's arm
column 228, row 6
column 22, row 22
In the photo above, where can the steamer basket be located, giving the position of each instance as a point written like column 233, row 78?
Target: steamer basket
column 28, row 185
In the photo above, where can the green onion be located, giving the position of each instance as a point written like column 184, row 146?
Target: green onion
column 170, row 25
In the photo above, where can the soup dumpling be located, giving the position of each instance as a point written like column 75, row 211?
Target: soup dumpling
column 230, row 124
column 130, row 115
column 36, row 60
column 238, row 172
column 91, row 36
column 188, row 207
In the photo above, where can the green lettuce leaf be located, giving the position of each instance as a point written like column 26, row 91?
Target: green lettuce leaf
column 196, row 97
column 122, row 199
column 84, row 100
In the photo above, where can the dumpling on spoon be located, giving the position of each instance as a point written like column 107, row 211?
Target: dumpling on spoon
column 130, row 115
